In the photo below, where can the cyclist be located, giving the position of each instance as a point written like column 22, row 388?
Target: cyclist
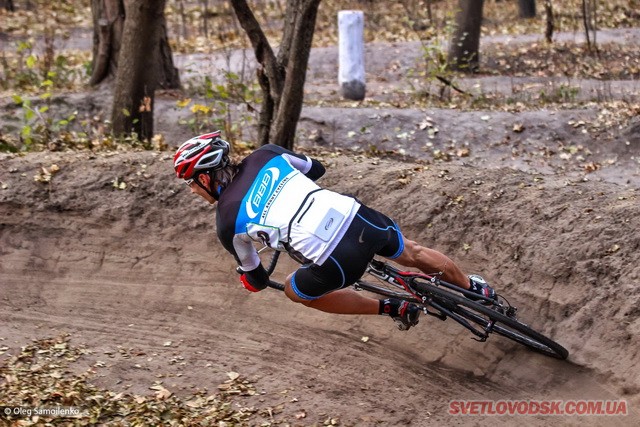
column 271, row 197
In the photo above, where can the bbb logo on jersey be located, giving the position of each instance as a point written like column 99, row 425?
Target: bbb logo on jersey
column 260, row 191
column 257, row 197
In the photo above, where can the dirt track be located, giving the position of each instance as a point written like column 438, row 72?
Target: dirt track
column 126, row 271
column 137, row 276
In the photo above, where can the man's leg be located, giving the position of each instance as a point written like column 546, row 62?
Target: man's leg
column 325, row 287
column 348, row 301
column 342, row 301
column 430, row 261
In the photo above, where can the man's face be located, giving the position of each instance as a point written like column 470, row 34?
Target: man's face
column 196, row 189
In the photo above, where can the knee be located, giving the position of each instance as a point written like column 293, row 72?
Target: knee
column 410, row 254
column 288, row 290
column 290, row 293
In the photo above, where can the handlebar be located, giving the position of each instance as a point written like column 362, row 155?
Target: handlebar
column 274, row 261
column 276, row 285
column 271, row 268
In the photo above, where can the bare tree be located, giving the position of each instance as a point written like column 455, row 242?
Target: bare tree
column 589, row 18
column 281, row 77
column 7, row 5
column 136, row 80
column 527, row 8
column 464, row 49
column 549, row 21
column 205, row 17
column 108, row 24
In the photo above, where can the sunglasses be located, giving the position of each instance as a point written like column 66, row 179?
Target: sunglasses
column 188, row 182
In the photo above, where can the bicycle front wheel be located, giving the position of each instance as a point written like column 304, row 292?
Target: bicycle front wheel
column 492, row 321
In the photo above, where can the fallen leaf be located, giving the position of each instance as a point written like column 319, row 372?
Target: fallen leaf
column 591, row 167
column 183, row 102
column 613, row 249
column 463, row 152
column 426, row 123
column 199, row 402
column 161, row 392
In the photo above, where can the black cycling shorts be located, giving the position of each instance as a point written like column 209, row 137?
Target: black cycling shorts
column 370, row 233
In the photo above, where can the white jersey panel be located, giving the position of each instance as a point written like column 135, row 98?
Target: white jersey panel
column 321, row 223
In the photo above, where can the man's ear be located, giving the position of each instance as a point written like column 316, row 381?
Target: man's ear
column 204, row 179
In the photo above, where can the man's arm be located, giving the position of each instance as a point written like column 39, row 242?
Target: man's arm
column 253, row 275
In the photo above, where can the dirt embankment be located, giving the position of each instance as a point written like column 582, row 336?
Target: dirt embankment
column 136, row 267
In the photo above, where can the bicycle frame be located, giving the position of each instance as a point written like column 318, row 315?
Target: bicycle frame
column 404, row 281
column 478, row 314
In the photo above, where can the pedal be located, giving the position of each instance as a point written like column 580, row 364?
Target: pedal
column 434, row 314
column 400, row 324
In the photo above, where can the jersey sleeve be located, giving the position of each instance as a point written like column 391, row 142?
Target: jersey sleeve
column 311, row 168
column 238, row 245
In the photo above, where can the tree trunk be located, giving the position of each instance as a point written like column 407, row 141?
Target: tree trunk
column 285, row 123
column 281, row 79
column 589, row 15
column 527, row 8
column 136, row 80
column 108, row 24
column 549, row 21
column 464, row 50
column 7, row 5
column 168, row 75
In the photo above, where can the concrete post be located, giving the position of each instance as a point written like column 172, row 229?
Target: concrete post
column 351, row 52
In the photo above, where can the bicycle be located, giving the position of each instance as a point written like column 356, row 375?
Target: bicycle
column 442, row 300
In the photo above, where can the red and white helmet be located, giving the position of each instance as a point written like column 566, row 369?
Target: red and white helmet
column 202, row 153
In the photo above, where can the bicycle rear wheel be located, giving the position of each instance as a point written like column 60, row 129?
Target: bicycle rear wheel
column 492, row 321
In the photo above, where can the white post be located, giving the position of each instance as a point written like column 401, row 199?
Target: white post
column 351, row 52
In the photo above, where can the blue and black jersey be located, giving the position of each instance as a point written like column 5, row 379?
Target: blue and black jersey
column 273, row 200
